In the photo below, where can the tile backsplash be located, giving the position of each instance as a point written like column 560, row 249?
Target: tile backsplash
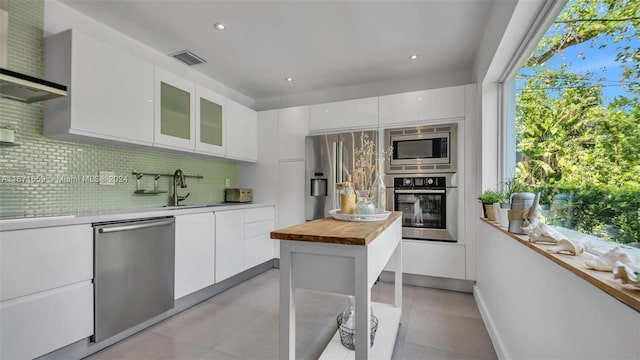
column 45, row 176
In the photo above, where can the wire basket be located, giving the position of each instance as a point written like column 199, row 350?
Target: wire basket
column 348, row 336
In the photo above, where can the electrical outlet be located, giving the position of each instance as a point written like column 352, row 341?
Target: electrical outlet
column 107, row 177
column 227, row 182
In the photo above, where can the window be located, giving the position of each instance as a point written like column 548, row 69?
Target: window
column 577, row 119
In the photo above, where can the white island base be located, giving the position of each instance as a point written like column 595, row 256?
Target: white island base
column 342, row 258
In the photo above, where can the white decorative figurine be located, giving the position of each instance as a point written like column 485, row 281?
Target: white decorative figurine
column 607, row 261
column 536, row 229
column 627, row 273
column 541, row 232
column 545, row 233
column 568, row 246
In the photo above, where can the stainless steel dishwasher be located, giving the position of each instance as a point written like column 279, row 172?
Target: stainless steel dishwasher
column 133, row 273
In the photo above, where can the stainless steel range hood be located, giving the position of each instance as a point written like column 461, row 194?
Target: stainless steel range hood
column 17, row 86
column 25, row 88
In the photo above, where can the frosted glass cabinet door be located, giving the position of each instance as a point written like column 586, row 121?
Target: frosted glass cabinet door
column 174, row 116
column 210, row 122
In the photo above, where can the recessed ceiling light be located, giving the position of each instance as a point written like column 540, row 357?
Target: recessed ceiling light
column 219, row 26
column 413, row 56
column 289, row 79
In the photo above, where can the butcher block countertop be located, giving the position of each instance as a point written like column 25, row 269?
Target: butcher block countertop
column 332, row 231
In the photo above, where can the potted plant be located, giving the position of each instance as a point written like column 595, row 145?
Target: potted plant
column 488, row 198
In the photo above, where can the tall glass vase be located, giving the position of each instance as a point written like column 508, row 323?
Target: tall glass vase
column 378, row 191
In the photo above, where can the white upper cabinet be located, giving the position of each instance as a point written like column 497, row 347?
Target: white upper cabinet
column 262, row 176
column 110, row 92
column 210, row 124
column 421, row 106
column 117, row 98
column 174, row 116
column 293, row 126
column 242, row 132
column 342, row 115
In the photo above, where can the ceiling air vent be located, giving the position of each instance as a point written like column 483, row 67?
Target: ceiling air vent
column 188, row 57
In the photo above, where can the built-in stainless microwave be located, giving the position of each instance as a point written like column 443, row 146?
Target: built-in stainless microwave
column 421, row 149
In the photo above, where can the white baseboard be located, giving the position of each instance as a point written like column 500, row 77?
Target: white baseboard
column 498, row 344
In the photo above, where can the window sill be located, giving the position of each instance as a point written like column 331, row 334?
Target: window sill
column 627, row 294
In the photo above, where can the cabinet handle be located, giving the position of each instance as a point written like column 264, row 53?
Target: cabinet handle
column 420, row 191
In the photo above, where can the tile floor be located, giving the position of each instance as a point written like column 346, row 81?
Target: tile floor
column 242, row 323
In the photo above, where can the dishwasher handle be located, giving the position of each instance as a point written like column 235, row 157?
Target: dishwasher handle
column 135, row 226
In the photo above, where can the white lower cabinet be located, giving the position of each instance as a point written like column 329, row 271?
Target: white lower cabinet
column 432, row 259
column 229, row 244
column 37, row 324
column 41, row 259
column 46, row 289
column 258, row 246
column 195, row 253
column 243, row 240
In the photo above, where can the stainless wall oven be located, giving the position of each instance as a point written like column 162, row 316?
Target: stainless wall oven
column 429, row 205
column 421, row 149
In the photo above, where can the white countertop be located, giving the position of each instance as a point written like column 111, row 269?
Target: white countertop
column 31, row 222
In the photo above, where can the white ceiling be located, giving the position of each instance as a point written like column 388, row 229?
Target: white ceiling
column 333, row 49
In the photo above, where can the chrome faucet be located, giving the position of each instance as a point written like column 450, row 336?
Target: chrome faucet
column 178, row 179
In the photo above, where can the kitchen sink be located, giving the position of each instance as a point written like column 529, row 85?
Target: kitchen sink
column 171, row 207
column 174, row 207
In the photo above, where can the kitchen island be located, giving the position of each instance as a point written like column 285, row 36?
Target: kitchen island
column 343, row 258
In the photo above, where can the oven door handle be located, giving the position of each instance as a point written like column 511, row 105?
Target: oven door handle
column 420, row 191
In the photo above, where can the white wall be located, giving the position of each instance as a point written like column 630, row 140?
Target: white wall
column 536, row 309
